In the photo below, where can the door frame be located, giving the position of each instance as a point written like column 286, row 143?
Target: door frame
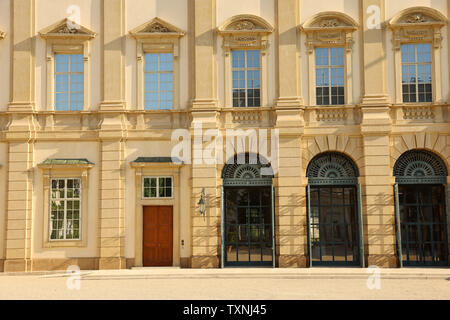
column 166, row 169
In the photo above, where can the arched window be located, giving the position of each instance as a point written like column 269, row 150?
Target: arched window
column 420, row 209
column 334, row 211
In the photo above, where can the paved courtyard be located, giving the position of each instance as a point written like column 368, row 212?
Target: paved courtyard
column 230, row 284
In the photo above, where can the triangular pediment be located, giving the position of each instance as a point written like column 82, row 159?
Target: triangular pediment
column 66, row 29
column 418, row 16
column 156, row 28
column 330, row 20
column 246, row 24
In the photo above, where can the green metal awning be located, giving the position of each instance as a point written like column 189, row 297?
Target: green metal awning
column 68, row 162
column 157, row 160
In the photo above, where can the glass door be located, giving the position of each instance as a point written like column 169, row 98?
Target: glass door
column 423, row 225
column 248, row 227
column 334, row 225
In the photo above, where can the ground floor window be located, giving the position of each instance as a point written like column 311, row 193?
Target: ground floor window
column 65, row 209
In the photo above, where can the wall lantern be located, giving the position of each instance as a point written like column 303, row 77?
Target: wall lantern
column 202, row 203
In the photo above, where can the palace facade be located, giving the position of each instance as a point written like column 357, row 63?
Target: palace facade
column 351, row 96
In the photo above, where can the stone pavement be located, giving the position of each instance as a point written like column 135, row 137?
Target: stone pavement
column 231, row 284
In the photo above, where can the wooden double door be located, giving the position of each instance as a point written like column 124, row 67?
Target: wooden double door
column 157, row 236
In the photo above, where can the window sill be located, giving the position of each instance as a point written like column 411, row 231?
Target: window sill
column 64, row 244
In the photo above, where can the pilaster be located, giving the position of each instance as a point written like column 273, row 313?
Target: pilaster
column 19, row 207
column 205, row 98
column 23, row 64
column 114, row 55
column 111, row 222
column 289, row 105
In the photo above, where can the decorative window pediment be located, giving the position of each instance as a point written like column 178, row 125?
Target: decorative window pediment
column 329, row 28
column 67, row 38
column 245, row 31
column 67, row 29
column 156, row 28
column 154, row 38
column 417, row 24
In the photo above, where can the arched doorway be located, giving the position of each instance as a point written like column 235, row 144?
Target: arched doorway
column 247, row 213
column 335, row 236
column 421, row 177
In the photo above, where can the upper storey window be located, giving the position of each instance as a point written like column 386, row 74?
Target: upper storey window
column 158, row 81
column 246, row 67
column 67, row 66
column 416, row 73
column 245, row 40
column 329, row 40
column 330, row 76
column 416, row 34
column 158, row 75
column 69, row 82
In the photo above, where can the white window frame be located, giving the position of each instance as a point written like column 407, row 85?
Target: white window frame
column 159, row 72
column 80, row 226
column 157, row 187
column 329, row 67
column 416, row 64
column 246, row 69
column 69, row 73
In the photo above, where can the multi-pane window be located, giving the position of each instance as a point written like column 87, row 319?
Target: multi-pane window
column 330, row 76
column 65, row 207
column 246, row 69
column 69, row 82
column 158, row 81
column 416, row 73
column 157, row 187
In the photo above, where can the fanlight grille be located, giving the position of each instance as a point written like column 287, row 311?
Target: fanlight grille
column 246, row 173
column 419, row 163
column 331, row 165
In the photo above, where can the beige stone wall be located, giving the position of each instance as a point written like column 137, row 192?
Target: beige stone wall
column 112, row 132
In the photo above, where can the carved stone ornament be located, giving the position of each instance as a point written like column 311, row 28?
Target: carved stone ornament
column 248, row 117
column 331, row 115
column 156, row 28
column 67, row 29
column 416, row 18
column 2, row 35
column 245, row 31
column 243, row 25
column 417, row 24
column 418, row 113
column 329, row 23
column 329, row 28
